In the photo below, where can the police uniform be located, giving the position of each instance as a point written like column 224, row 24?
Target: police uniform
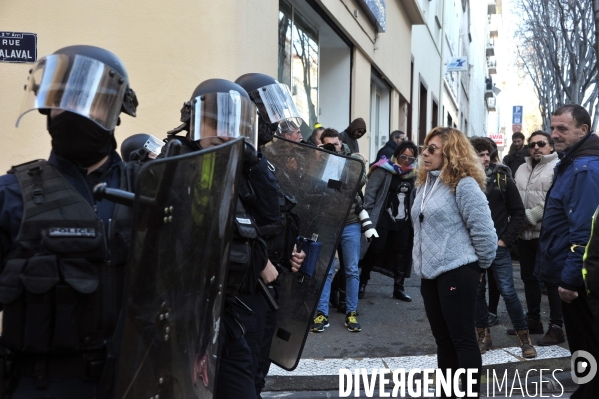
column 63, row 259
column 63, row 254
column 220, row 108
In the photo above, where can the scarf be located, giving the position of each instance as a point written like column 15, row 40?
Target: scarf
column 390, row 166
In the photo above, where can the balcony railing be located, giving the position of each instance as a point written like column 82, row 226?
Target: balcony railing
column 490, row 49
column 492, row 67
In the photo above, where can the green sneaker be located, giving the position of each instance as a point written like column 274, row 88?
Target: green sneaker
column 320, row 322
column 351, row 322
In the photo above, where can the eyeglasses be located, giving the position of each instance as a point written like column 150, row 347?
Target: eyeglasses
column 403, row 157
column 540, row 143
column 431, row 149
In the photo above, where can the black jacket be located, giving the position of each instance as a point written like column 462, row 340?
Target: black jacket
column 388, row 150
column 507, row 210
column 513, row 160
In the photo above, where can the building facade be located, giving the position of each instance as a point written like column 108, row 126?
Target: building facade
column 342, row 59
column 453, row 28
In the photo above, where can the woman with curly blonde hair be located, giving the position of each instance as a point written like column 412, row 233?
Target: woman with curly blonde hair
column 454, row 239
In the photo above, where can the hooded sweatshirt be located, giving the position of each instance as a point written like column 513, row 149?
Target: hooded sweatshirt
column 347, row 134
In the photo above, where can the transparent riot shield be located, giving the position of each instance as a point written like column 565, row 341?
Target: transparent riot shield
column 184, row 209
column 324, row 186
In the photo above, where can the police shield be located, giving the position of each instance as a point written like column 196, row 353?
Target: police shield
column 182, row 228
column 324, row 186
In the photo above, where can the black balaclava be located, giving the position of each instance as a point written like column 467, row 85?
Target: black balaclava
column 79, row 140
column 266, row 131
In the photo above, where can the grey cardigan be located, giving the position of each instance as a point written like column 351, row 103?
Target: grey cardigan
column 457, row 229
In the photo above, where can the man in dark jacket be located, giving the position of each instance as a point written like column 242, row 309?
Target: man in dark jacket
column 508, row 214
column 396, row 137
column 517, row 153
column 566, row 229
column 352, row 133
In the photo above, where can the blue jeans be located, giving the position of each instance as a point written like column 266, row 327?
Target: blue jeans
column 350, row 246
column 503, row 273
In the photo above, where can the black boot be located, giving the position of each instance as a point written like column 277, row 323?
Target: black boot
column 362, row 289
column 363, row 281
column 399, row 276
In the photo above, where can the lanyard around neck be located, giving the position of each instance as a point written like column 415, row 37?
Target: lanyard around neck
column 426, row 197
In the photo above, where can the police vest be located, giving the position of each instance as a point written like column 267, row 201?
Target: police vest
column 248, row 254
column 62, row 284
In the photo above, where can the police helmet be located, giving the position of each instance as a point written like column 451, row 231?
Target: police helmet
column 273, row 99
column 141, row 146
column 218, row 108
column 86, row 80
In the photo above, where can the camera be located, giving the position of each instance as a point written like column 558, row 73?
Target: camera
column 329, row 147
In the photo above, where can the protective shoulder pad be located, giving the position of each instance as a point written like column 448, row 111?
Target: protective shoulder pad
column 38, row 163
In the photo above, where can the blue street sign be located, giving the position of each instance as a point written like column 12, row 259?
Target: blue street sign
column 517, row 115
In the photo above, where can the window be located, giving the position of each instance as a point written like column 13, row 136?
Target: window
column 299, row 60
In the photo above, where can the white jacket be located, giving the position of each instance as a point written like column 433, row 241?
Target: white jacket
column 533, row 185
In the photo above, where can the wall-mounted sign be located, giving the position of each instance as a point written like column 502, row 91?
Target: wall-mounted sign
column 18, row 47
column 497, row 138
column 517, row 115
column 376, row 10
column 457, row 64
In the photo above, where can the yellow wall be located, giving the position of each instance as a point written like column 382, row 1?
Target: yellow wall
column 168, row 47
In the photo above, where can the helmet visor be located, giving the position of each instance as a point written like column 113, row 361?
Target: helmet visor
column 223, row 115
column 276, row 104
column 77, row 84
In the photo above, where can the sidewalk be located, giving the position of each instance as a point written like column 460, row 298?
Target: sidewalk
column 396, row 335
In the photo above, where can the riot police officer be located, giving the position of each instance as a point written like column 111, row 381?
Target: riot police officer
column 62, row 253
column 218, row 111
column 277, row 113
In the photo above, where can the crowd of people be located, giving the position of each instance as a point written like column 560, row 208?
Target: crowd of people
column 459, row 215
column 449, row 212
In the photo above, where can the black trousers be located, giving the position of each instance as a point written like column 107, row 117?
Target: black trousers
column 527, row 251
column 234, row 379
column 578, row 321
column 260, row 328
column 389, row 246
column 450, row 301
column 270, row 326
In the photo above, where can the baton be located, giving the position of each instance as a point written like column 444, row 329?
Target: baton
column 266, row 292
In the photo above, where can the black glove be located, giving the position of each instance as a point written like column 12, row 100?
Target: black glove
column 250, row 156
